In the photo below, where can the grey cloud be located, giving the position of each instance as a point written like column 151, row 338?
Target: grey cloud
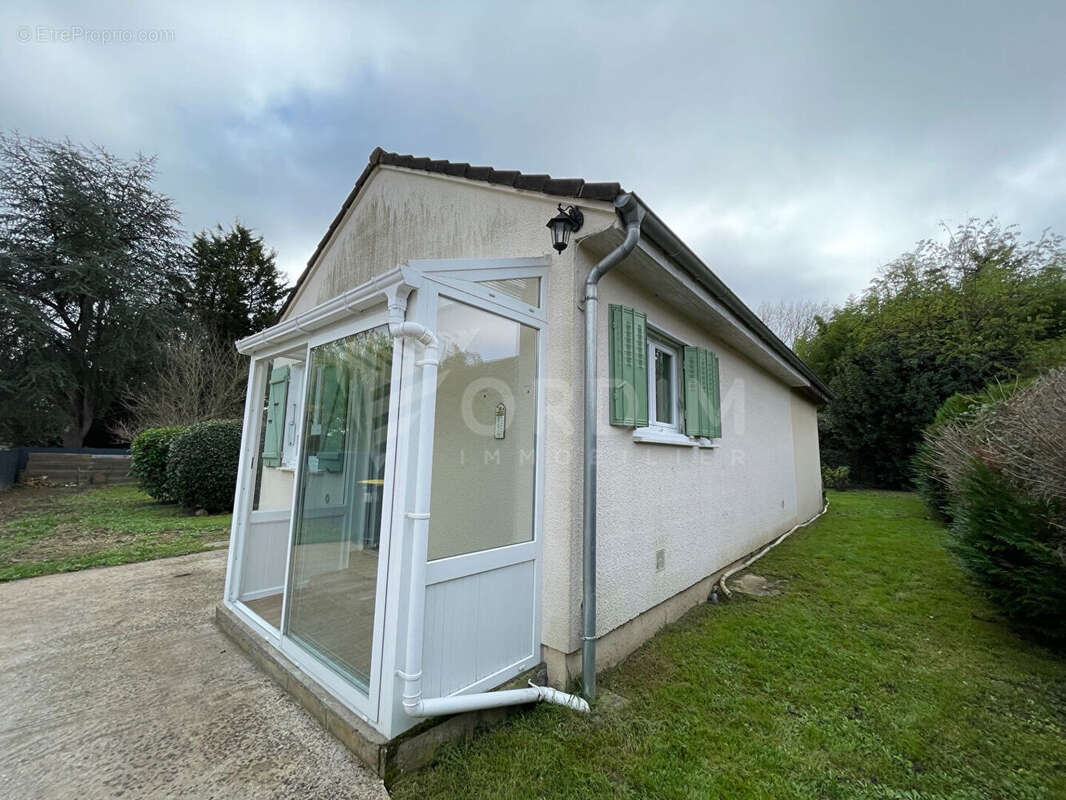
column 795, row 146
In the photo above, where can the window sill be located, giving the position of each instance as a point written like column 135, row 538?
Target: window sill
column 661, row 436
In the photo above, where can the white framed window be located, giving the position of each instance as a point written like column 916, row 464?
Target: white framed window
column 664, row 408
column 289, row 453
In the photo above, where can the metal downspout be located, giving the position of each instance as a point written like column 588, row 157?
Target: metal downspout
column 632, row 214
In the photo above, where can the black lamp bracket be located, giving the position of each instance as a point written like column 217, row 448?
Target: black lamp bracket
column 576, row 217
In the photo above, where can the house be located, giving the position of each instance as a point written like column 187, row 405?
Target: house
column 427, row 507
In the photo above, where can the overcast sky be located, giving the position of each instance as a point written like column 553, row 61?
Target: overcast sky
column 796, row 146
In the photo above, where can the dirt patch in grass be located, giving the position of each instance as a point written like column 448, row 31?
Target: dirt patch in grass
column 20, row 499
column 57, row 529
column 68, row 541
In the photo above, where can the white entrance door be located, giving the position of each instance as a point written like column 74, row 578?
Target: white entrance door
column 482, row 594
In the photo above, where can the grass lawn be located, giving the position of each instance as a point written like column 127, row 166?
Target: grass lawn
column 53, row 530
column 879, row 673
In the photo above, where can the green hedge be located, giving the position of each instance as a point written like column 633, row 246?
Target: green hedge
column 991, row 464
column 1009, row 544
column 929, row 485
column 202, row 466
column 838, row 478
column 149, row 451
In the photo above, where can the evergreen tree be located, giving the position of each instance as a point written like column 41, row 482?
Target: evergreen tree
column 945, row 319
column 233, row 286
column 87, row 253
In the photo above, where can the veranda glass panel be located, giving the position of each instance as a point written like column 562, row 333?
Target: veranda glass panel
column 266, row 535
column 333, row 580
column 484, row 445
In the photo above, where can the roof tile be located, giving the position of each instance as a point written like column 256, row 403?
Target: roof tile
column 600, row 191
column 532, row 182
column 567, row 187
column 504, row 177
column 478, row 173
column 561, row 187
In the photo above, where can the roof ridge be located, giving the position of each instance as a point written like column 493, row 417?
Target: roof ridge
column 576, row 188
column 516, row 179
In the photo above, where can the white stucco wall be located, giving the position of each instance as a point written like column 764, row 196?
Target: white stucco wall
column 275, row 490
column 807, row 458
column 703, row 507
column 402, row 214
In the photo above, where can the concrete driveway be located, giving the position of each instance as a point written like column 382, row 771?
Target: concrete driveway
column 115, row 682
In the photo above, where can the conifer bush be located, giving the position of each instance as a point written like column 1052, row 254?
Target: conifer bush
column 1011, row 544
column 994, row 464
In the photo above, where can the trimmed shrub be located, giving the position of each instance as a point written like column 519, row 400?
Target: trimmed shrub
column 995, row 464
column 1012, row 547
column 949, row 441
column 931, row 480
column 929, row 484
column 202, row 465
column 149, row 451
column 838, row 478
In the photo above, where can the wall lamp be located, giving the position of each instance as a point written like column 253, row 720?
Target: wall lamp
column 567, row 221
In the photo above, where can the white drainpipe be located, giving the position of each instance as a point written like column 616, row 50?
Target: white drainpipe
column 414, row 705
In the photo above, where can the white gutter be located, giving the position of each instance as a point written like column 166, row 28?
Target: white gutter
column 340, row 307
column 414, row 705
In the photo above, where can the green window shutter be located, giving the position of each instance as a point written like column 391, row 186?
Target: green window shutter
column 628, row 356
column 715, row 395
column 703, row 415
column 693, row 403
column 333, row 406
column 277, row 396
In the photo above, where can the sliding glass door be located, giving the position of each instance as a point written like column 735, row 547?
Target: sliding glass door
column 339, row 500
column 277, row 390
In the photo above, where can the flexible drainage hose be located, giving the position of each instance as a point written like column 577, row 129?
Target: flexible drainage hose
column 731, row 572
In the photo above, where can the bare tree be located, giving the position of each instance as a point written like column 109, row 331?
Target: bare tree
column 791, row 320
column 199, row 379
